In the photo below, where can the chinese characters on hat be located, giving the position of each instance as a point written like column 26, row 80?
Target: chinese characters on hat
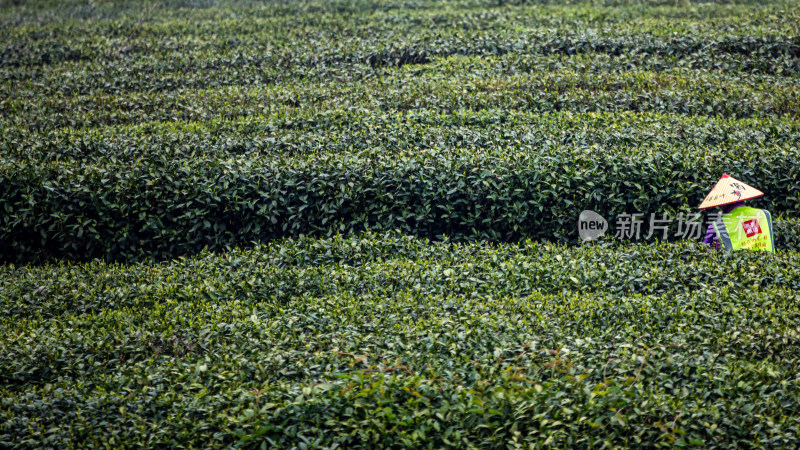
column 729, row 190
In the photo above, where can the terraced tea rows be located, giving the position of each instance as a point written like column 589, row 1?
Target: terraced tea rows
column 167, row 137
column 325, row 224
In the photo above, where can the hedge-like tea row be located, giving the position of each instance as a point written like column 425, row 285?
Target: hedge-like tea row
column 366, row 341
column 541, row 90
column 282, row 270
column 163, row 208
column 343, row 132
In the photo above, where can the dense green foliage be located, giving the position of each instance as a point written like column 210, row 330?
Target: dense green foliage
column 324, row 224
column 495, row 181
column 389, row 340
column 155, row 131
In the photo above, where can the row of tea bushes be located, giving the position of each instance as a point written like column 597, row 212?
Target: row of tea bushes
column 281, row 270
column 161, row 207
column 540, row 89
column 387, row 340
column 343, row 132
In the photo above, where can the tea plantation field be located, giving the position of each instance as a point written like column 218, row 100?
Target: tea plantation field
column 352, row 224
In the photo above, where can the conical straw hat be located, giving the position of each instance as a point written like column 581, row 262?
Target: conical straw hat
column 729, row 190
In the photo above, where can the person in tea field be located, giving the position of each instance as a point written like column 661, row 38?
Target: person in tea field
column 739, row 227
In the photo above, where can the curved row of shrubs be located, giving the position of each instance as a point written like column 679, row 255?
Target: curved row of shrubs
column 161, row 207
column 346, row 132
column 544, row 88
